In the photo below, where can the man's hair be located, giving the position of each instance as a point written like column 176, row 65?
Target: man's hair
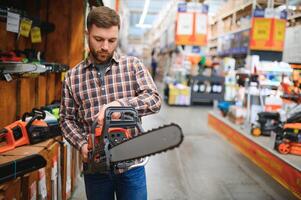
column 103, row 17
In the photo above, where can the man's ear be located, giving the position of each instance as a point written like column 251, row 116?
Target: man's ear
column 87, row 33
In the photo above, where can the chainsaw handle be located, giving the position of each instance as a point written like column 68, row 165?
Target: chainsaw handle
column 39, row 113
column 26, row 114
column 128, row 119
column 35, row 112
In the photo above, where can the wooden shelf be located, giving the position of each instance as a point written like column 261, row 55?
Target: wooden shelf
column 231, row 32
column 286, row 169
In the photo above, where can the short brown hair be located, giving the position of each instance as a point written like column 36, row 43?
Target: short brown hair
column 103, row 17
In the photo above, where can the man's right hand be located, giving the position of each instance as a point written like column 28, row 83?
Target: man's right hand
column 84, row 152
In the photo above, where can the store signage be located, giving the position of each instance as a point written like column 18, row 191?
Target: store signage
column 270, row 13
column 192, row 22
column 267, row 34
column 258, row 13
column 182, row 7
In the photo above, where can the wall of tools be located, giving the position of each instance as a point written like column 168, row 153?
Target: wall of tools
column 62, row 28
column 63, row 44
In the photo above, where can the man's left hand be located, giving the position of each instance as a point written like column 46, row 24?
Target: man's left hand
column 102, row 112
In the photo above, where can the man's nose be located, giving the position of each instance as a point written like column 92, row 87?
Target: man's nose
column 105, row 45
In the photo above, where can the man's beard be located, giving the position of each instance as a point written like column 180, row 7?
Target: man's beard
column 101, row 59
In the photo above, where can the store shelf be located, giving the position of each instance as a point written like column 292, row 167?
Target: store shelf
column 286, row 169
column 236, row 31
column 294, row 16
column 238, row 8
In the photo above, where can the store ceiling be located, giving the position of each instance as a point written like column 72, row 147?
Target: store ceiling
column 154, row 8
column 136, row 9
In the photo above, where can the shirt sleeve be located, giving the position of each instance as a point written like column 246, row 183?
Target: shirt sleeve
column 68, row 117
column 148, row 100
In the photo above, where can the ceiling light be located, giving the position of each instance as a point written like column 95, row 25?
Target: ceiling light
column 145, row 10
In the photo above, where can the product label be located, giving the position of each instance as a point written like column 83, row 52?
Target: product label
column 36, row 35
column 25, row 27
column 42, row 185
column 33, row 191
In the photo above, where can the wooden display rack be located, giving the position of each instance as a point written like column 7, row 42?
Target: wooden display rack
column 286, row 169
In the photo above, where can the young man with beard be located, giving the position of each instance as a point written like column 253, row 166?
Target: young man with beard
column 106, row 79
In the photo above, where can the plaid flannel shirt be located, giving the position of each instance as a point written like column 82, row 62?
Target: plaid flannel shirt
column 84, row 93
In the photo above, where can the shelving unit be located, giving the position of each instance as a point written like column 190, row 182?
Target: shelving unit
column 236, row 18
column 285, row 169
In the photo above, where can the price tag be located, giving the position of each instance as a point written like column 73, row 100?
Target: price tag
column 25, row 27
column 8, row 77
column 36, row 35
column 12, row 23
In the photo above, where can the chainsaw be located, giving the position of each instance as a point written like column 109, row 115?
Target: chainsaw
column 31, row 129
column 113, row 146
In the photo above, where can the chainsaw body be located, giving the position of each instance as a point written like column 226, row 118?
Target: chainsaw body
column 267, row 123
column 23, row 132
column 13, row 135
column 289, row 142
column 113, row 132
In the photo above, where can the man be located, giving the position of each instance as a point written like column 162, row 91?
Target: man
column 106, row 79
column 154, row 63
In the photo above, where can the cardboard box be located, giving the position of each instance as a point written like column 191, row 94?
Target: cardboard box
column 66, row 170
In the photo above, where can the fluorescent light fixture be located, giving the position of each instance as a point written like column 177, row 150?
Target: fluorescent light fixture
column 145, row 10
column 144, row 25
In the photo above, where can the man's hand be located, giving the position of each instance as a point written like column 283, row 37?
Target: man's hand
column 102, row 112
column 84, row 152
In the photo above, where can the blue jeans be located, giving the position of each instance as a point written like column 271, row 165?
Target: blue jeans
column 130, row 185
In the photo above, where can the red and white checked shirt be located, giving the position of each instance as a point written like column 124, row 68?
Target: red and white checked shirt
column 83, row 94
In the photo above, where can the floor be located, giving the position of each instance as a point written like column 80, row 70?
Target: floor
column 204, row 167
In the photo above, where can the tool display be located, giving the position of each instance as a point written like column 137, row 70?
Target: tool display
column 55, row 67
column 31, row 129
column 289, row 140
column 267, row 123
column 19, row 167
column 113, row 147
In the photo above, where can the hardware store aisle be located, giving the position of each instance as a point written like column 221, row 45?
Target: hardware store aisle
column 204, row 167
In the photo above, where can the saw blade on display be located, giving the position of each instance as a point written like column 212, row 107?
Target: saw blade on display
column 148, row 143
column 56, row 67
column 16, row 67
column 39, row 68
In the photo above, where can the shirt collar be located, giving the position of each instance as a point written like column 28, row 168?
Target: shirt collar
column 90, row 60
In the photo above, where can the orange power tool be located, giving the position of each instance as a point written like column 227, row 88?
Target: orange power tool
column 22, row 132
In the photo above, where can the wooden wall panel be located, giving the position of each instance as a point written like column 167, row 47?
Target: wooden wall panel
column 58, row 44
column 58, row 86
column 50, row 88
column 27, row 95
column 7, row 39
column 77, row 33
column 41, row 92
column 8, row 102
column 64, row 45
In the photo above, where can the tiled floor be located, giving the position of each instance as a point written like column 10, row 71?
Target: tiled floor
column 204, row 167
